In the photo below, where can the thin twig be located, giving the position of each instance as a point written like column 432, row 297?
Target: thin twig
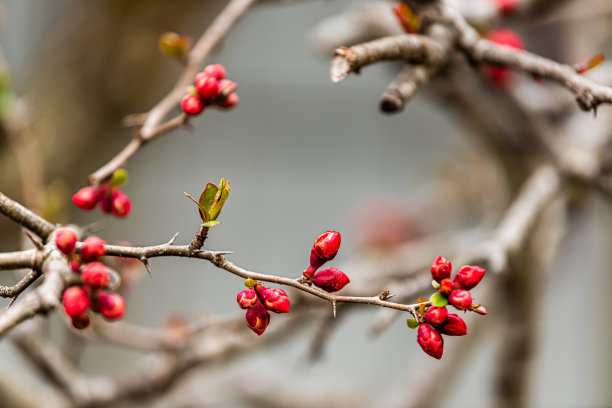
column 25, row 217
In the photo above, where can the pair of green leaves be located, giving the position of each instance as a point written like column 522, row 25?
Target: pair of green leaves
column 211, row 202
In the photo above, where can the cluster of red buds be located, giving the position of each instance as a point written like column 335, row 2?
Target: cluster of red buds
column 325, row 249
column 111, row 199
column 78, row 300
column 499, row 76
column 433, row 319
column 257, row 300
column 211, row 87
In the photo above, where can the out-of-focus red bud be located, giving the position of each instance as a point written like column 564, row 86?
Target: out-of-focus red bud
column 65, row 240
column 230, row 101
column 453, row 326
column 110, row 305
column 120, row 204
column 95, row 275
column 76, row 302
column 461, row 299
column 275, row 300
column 446, row 287
column 216, row 71
column 468, row 277
column 92, row 249
column 480, row 309
column 430, row 340
column 436, row 315
column 75, row 265
column 192, row 104
column 330, row 279
column 506, row 6
column 500, row 76
column 226, row 87
column 80, row 322
column 325, row 249
column 247, row 299
column 87, row 197
column 441, row 269
column 208, row 88
column 258, row 318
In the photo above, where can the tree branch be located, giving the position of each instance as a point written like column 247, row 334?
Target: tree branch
column 25, row 217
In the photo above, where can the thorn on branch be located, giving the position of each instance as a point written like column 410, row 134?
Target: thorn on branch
column 171, row 241
column 35, row 241
column 145, row 262
column 333, row 302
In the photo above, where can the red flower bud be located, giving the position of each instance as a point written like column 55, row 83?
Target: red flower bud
column 430, row 340
column 468, row 277
column 325, row 249
column 208, row 88
column 453, row 326
column 226, row 87
column 275, row 300
column 480, row 309
column 75, row 265
column 498, row 75
column 87, row 197
column 76, row 301
column 230, row 101
column 192, row 105
column 247, row 299
column 216, row 71
column 110, row 305
column 436, row 315
column 441, row 269
column 65, row 240
column 258, row 318
column 446, row 287
column 81, row 322
column 461, row 299
column 92, row 249
column 95, row 275
column 120, row 204
column 330, row 279
column 506, row 6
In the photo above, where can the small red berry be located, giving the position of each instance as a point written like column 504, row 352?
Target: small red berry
column 258, row 318
column 325, row 249
column 120, row 204
column 76, row 302
column 460, row 299
column 441, row 269
column 430, row 340
column 92, row 249
column 247, row 299
column 453, row 326
column 330, row 279
column 230, row 101
column 498, row 75
column 65, row 240
column 275, row 300
column 110, row 305
column 81, row 322
column 468, row 277
column 95, row 275
column 192, row 104
column 216, row 71
column 87, row 197
column 506, row 6
column 446, row 287
column 436, row 315
column 208, row 88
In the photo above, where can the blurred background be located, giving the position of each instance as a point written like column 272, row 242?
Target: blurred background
column 303, row 156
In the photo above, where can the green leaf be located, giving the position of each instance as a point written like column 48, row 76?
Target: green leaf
column 211, row 223
column 207, row 198
column 438, row 300
column 412, row 323
column 119, row 177
column 203, row 212
column 220, row 199
column 435, row 284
